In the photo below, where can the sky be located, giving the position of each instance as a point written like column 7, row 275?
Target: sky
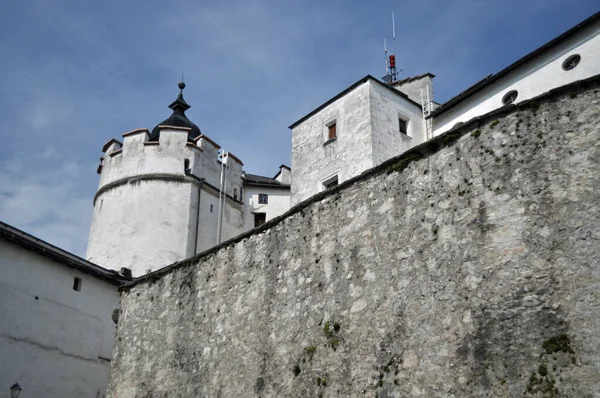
column 76, row 73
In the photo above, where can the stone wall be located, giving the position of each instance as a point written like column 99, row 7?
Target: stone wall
column 467, row 267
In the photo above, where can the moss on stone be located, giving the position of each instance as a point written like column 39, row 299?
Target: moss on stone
column 558, row 343
column 403, row 163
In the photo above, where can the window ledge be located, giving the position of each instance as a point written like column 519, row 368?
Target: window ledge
column 405, row 136
column 329, row 141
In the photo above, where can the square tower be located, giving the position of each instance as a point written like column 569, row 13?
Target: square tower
column 359, row 128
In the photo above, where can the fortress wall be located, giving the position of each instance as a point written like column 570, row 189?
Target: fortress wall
column 468, row 267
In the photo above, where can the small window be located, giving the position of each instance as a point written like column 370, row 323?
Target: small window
column 211, row 208
column 510, row 97
column 186, row 166
column 571, row 62
column 402, row 126
column 331, row 131
column 263, row 199
column 235, row 193
column 259, row 219
column 77, row 284
column 331, row 182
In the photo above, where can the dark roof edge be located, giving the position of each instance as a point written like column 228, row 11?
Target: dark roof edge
column 346, row 91
column 266, row 185
column 57, row 254
column 283, row 166
column 426, row 148
column 413, row 78
column 492, row 78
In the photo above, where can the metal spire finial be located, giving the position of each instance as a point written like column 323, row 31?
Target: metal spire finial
column 181, row 83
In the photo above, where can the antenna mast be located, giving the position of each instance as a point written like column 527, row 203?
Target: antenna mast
column 390, row 61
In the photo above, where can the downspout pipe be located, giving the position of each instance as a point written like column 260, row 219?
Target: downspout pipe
column 201, row 181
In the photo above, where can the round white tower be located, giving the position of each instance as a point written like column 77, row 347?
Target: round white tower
column 147, row 210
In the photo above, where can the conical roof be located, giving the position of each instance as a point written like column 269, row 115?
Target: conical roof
column 178, row 118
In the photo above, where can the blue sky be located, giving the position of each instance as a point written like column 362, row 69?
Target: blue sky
column 76, row 73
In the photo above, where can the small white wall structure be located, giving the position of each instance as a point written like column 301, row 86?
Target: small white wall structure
column 387, row 109
column 417, row 88
column 266, row 198
column 535, row 74
column 367, row 133
column 55, row 341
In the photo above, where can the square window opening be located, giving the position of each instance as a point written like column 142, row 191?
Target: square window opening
column 403, row 126
column 259, row 219
column 263, row 199
column 330, row 182
column 331, row 131
column 77, row 284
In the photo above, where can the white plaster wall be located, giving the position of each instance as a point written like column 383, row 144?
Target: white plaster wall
column 386, row 107
column 144, row 225
column 531, row 79
column 232, row 219
column 148, row 224
column 234, row 179
column 347, row 156
column 413, row 88
column 207, row 233
column 60, row 344
column 284, row 176
column 138, row 158
column 208, row 166
column 278, row 203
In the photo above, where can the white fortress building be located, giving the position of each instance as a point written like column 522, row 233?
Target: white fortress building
column 372, row 120
column 168, row 194
column 172, row 192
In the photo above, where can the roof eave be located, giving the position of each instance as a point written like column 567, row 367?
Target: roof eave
column 346, row 91
column 61, row 256
column 492, row 78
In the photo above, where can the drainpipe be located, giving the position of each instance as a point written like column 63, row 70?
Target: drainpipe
column 200, row 181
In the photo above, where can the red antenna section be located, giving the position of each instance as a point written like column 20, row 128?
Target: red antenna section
column 392, row 61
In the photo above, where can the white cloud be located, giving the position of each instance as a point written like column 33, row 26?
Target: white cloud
column 46, row 202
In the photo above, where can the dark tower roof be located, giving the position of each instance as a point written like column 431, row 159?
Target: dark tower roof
column 178, row 118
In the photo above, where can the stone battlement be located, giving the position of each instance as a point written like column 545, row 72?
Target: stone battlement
column 171, row 155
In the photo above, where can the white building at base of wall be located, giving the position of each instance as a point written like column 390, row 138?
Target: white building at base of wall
column 266, row 198
column 57, row 331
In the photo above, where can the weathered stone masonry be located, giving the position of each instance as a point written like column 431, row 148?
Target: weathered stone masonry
column 468, row 267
